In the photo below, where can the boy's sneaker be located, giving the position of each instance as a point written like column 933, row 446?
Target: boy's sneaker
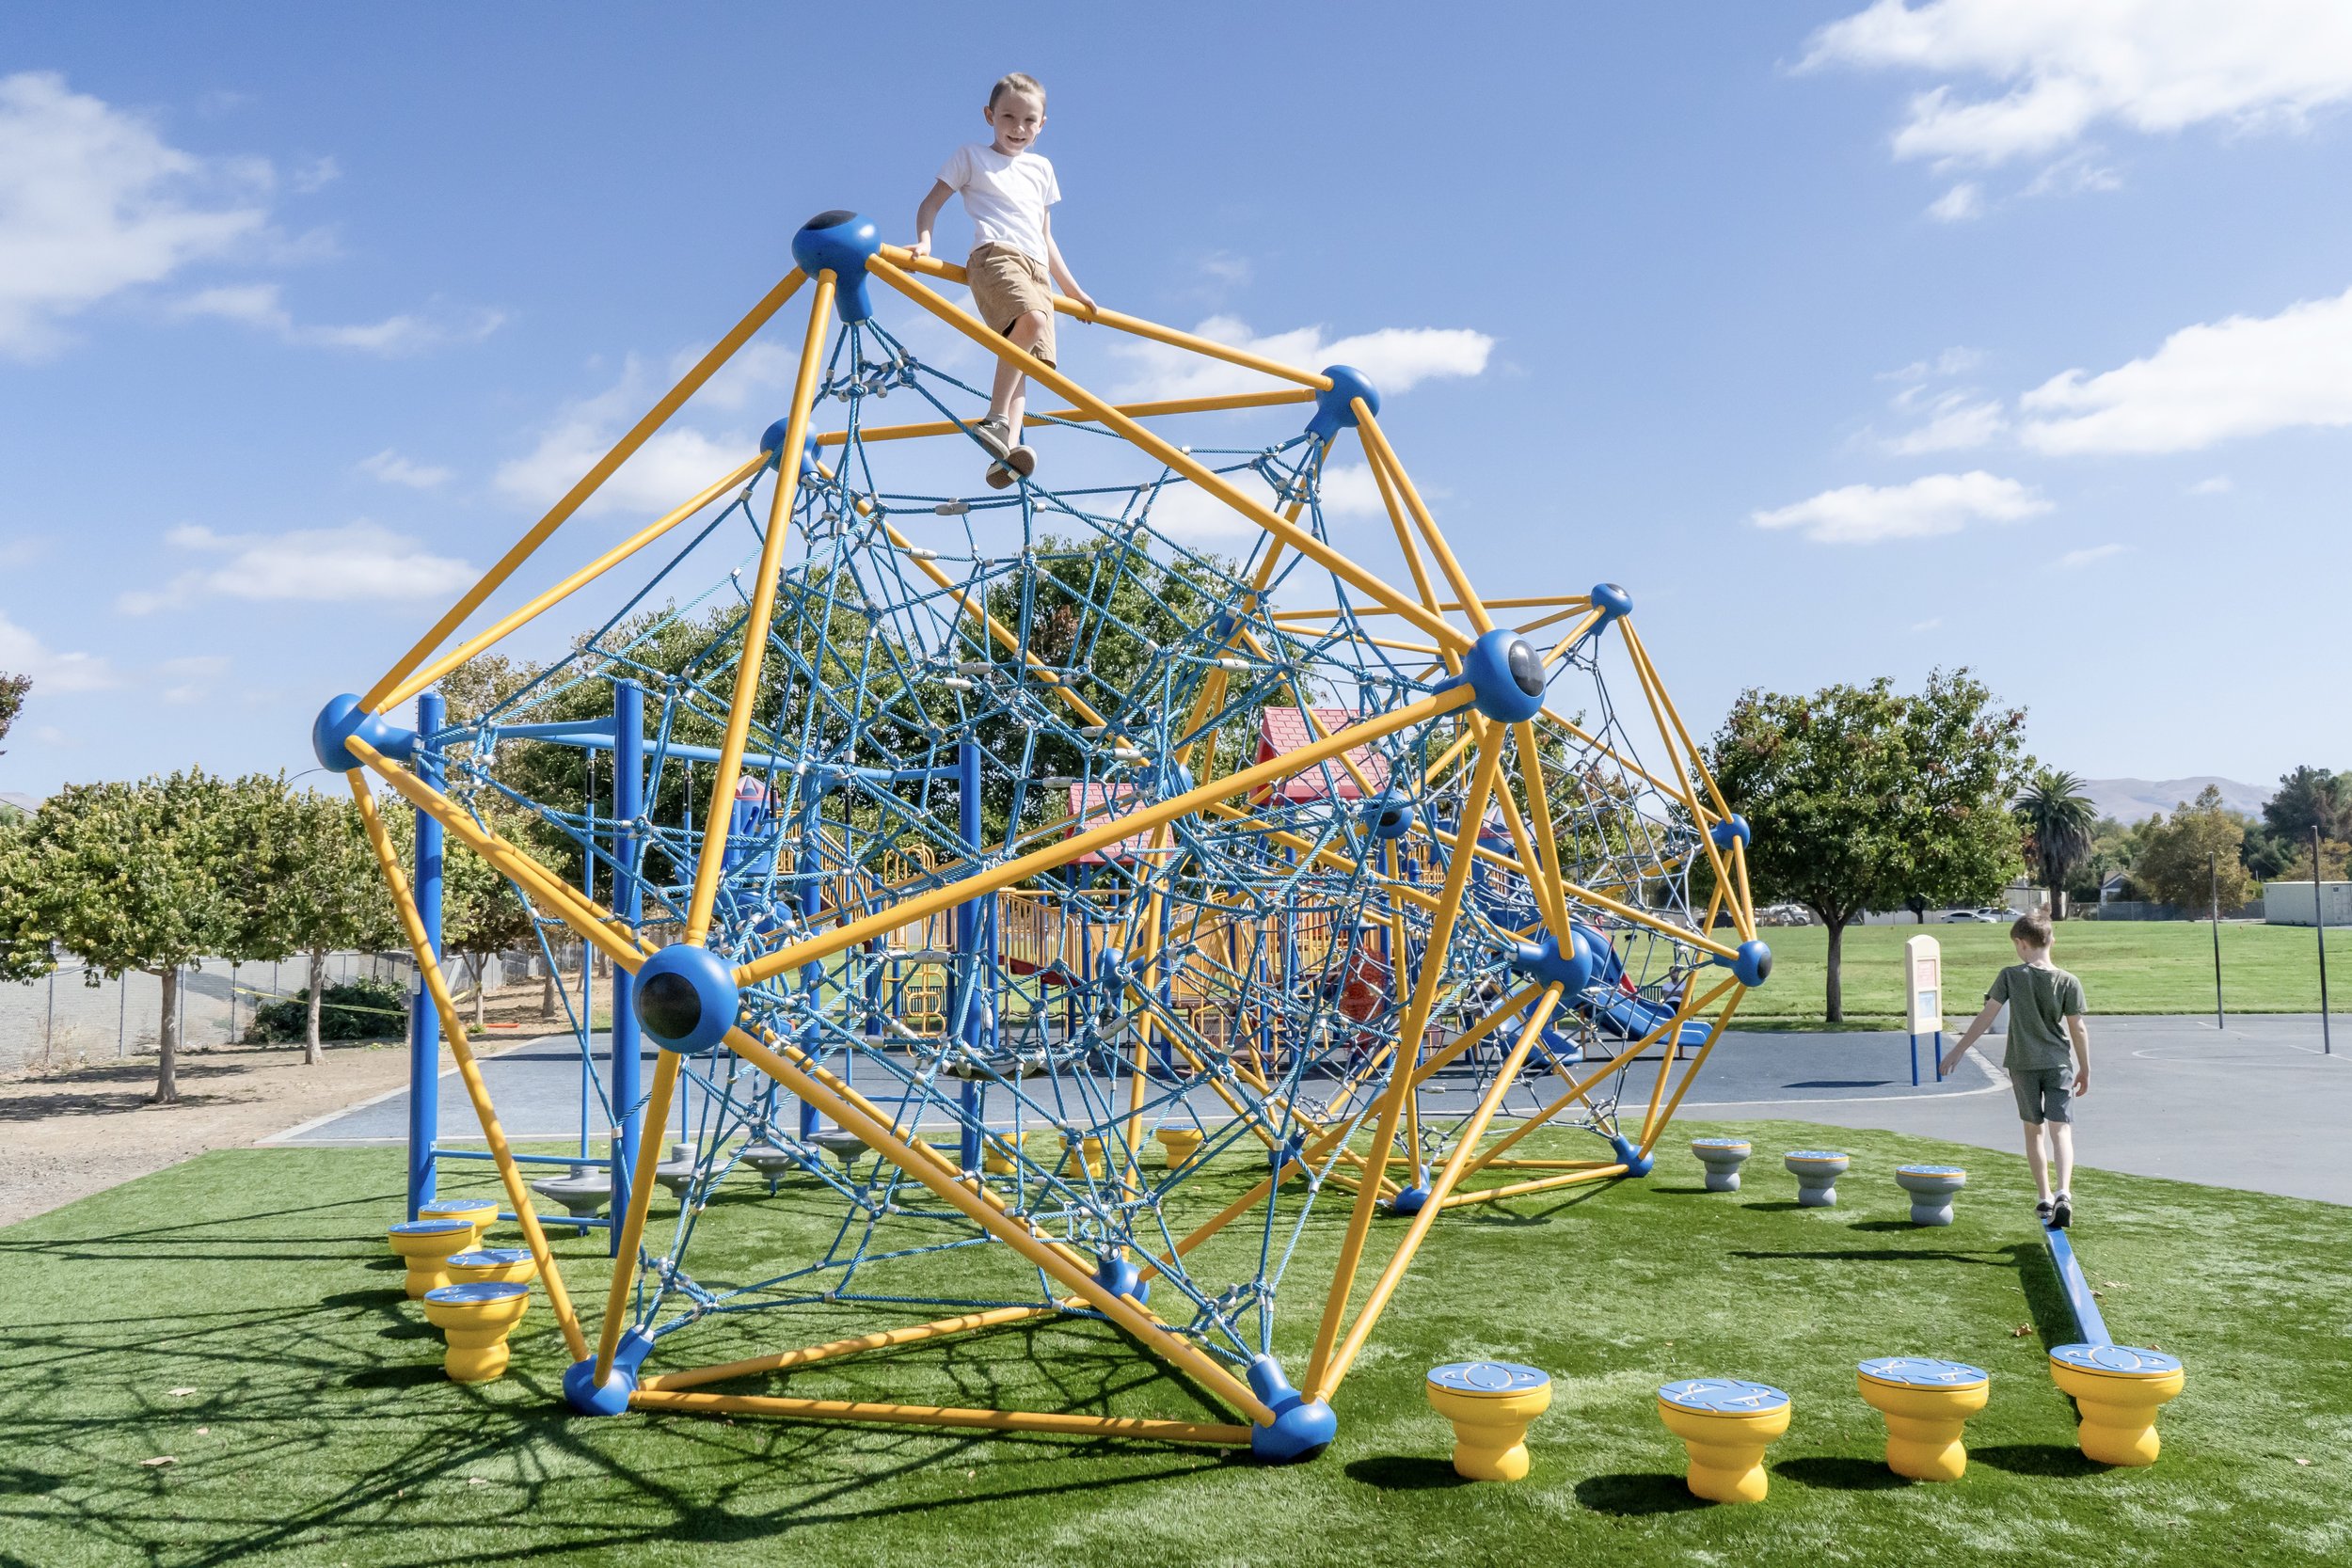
column 995, row 433
column 1019, row 463
column 2061, row 1212
column 2042, row 1212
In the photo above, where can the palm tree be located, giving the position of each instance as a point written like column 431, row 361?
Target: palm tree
column 2059, row 818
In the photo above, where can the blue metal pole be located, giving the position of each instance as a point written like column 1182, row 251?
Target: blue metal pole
column 629, row 804
column 969, row 949
column 424, row 1027
column 1939, row 1055
column 1914, row 1061
column 809, row 866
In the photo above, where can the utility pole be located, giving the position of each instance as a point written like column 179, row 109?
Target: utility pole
column 2319, row 918
column 2213, row 872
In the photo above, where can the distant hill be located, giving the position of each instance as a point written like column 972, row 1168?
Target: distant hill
column 2137, row 799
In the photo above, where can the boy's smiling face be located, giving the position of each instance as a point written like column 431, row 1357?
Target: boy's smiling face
column 1016, row 117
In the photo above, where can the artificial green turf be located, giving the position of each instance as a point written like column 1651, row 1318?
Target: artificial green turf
column 319, row 1429
column 2127, row 966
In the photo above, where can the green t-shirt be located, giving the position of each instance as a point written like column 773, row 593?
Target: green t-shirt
column 2040, row 998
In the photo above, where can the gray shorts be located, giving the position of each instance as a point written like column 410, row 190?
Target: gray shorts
column 2043, row 1093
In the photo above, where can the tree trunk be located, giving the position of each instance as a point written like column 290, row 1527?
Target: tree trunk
column 1835, row 1000
column 168, row 1039
column 312, row 1052
column 480, row 988
column 547, row 989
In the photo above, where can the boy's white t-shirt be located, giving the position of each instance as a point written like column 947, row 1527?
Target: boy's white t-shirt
column 1006, row 197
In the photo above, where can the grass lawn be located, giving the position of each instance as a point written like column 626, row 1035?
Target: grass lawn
column 2127, row 966
column 240, row 1313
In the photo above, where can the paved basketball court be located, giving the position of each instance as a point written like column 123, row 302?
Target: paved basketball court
column 2255, row 1105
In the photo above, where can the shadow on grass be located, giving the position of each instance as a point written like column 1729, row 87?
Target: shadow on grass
column 1882, row 1227
column 1396, row 1472
column 1683, row 1192
column 1881, row 1255
column 2037, row 1459
column 1631, row 1496
column 1774, row 1206
column 1834, row 1473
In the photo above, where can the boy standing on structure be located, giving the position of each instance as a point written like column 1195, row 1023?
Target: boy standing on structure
column 1007, row 189
column 2046, row 1010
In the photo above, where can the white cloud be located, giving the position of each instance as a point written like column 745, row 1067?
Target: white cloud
column 1953, row 361
column 1955, row 422
column 1963, row 201
column 2218, row 485
column 2244, row 375
column 358, row 561
column 2059, row 67
column 1939, row 503
column 93, row 201
column 1929, row 625
column 315, row 174
column 23, row 654
column 2076, row 560
column 1395, row 358
column 258, row 304
column 389, row 468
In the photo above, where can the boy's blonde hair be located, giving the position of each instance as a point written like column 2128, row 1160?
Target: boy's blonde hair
column 1016, row 81
column 2032, row 929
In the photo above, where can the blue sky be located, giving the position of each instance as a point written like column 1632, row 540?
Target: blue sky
column 1853, row 340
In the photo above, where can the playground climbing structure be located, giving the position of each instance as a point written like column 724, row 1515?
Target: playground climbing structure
column 1079, row 916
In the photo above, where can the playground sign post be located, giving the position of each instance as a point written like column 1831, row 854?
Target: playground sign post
column 1923, row 999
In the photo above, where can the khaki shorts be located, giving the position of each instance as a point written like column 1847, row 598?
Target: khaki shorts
column 2043, row 1093
column 1006, row 284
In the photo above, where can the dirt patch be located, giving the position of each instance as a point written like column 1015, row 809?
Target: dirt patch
column 69, row 1132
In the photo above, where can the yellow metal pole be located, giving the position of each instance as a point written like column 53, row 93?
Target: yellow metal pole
column 1385, row 1287
column 461, row 1051
column 1014, row 1230
column 655, row 418
column 1659, row 1124
column 763, row 605
column 1409, row 1048
column 696, row 1377
column 867, row 435
column 595, row 925
column 1541, row 1184
column 1376, row 442
column 981, row 882
column 640, row 1204
column 1210, row 483
column 1647, row 679
column 571, row 584
column 1131, row 1427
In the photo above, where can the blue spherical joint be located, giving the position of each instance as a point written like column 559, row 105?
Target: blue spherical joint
column 1412, row 1200
column 840, row 243
column 1611, row 601
column 1507, row 674
column 1121, row 1278
column 1543, row 960
column 587, row 1397
column 1629, row 1155
column 342, row 719
column 1752, row 962
column 686, row 1000
column 1301, row 1429
column 1731, row 830
column 772, row 446
column 1389, row 816
column 1335, row 409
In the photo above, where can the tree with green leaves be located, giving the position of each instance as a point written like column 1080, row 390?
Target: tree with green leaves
column 26, row 950
column 144, row 876
column 482, row 913
column 2060, row 822
column 12, row 692
column 2191, row 859
column 1862, row 798
column 2310, row 798
column 315, row 890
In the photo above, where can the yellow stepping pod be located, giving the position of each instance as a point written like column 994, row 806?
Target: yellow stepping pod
column 1927, row 1405
column 1181, row 1143
column 480, row 1213
column 1725, row 1424
column 997, row 1158
column 1491, row 1405
column 476, row 1320
column 425, row 1246
column 498, row 1265
column 2118, row 1390
column 1087, row 1154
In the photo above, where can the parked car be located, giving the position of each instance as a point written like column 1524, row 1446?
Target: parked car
column 1966, row 917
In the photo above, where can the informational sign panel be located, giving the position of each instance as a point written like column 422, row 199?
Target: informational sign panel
column 1923, row 984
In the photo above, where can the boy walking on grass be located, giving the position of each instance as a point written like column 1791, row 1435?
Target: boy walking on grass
column 1007, row 188
column 2046, row 1010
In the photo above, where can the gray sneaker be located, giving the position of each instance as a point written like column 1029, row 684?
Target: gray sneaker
column 995, row 435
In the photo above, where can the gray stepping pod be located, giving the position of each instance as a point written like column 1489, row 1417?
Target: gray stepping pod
column 1932, row 1188
column 1723, row 1158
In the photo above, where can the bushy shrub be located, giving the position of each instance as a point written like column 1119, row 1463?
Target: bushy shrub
column 350, row 1010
